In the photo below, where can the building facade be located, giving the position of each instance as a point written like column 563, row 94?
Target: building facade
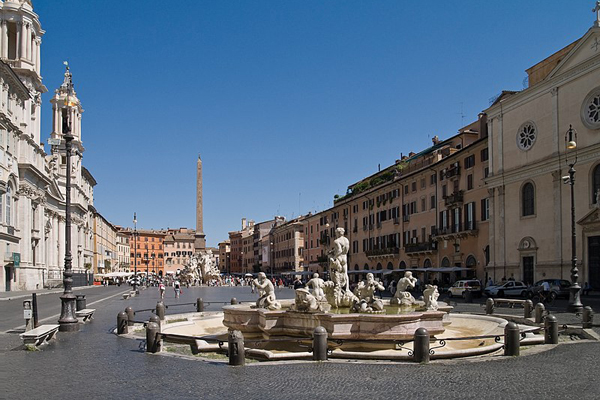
column 178, row 248
column 530, row 232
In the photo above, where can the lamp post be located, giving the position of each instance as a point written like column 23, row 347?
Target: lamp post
column 571, row 145
column 135, row 252
column 272, row 258
column 67, row 321
column 146, row 260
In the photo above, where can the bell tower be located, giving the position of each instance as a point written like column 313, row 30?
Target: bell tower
column 20, row 44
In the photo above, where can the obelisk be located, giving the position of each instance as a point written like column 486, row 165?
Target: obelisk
column 200, row 242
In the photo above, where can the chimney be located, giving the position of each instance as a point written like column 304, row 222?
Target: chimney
column 244, row 223
column 435, row 140
column 483, row 129
column 411, row 154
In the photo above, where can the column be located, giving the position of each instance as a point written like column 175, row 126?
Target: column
column 23, row 41
column 3, row 41
column 19, row 35
column 29, row 43
column 38, row 56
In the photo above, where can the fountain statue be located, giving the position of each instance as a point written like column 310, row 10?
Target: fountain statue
column 266, row 293
column 430, row 296
column 306, row 302
column 402, row 296
column 207, row 268
column 365, row 291
column 317, row 284
column 337, row 291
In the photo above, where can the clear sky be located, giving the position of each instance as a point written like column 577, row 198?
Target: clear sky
column 288, row 102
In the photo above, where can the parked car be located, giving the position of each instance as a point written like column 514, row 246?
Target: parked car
column 558, row 288
column 510, row 288
column 460, row 287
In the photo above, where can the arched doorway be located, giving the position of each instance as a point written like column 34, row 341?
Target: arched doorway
column 390, row 265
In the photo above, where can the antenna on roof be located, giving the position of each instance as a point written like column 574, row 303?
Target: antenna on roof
column 462, row 115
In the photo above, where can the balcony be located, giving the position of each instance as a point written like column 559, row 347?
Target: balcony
column 423, row 248
column 396, row 220
column 452, row 171
column 406, row 218
column 469, row 228
column 388, row 252
column 454, row 198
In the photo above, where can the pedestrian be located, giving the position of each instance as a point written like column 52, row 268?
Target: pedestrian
column 177, row 287
column 298, row 283
column 161, row 290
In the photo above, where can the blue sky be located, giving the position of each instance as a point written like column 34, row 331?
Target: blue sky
column 288, row 102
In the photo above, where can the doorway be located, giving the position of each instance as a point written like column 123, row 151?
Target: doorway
column 528, row 270
column 7, row 277
column 594, row 261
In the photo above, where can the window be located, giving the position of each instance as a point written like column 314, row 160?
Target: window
column 596, row 184
column 444, row 191
column 485, row 155
column 469, row 181
column 526, row 136
column 432, row 202
column 433, row 179
column 8, row 204
column 485, row 209
column 470, row 161
column 414, row 186
column 423, row 202
column 486, row 172
column 590, row 109
column 528, row 200
column 406, row 189
column 423, row 183
column 470, row 216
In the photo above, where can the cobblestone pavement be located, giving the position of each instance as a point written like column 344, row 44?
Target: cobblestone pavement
column 95, row 363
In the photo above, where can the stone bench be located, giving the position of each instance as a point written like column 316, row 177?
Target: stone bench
column 509, row 302
column 86, row 313
column 39, row 335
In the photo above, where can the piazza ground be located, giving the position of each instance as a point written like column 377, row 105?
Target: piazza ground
column 95, row 363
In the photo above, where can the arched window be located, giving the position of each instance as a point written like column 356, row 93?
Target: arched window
column 596, row 184
column 379, row 266
column 402, row 265
column 528, row 199
column 445, row 262
column 471, row 262
column 427, row 263
column 366, row 266
column 8, row 205
column 390, row 266
column 356, row 267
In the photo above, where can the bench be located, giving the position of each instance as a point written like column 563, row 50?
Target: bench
column 510, row 302
column 39, row 335
column 86, row 313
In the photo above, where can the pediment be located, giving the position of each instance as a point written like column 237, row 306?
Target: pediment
column 587, row 48
column 593, row 217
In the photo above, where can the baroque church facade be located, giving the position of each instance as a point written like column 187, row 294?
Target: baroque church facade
column 32, row 180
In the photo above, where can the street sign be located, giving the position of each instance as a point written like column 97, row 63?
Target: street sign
column 54, row 142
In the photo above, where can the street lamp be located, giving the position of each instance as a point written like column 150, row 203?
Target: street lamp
column 68, row 321
column 135, row 252
column 272, row 258
column 571, row 148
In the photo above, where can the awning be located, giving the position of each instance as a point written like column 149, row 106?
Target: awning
column 301, row 273
column 391, row 271
column 115, row 275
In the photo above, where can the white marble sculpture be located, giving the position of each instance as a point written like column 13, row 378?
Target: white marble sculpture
column 266, row 293
column 337, row 291
column 365, row 292
column 317, row 284
column 430, row 296
column 204, row 267
column 306, row 302
column 402, row 295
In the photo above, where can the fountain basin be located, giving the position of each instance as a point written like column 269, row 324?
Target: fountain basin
column 255, row 321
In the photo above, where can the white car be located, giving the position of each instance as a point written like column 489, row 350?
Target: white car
column 510, row 288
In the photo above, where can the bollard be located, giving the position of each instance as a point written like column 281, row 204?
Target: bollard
column 539, row 313
column 122, row 323
column 80, row 302
column 237, row 354
column 156, row 320
column 527, row 308
column 152, row 342
column 234, row 301
column 130, row 316
column 34, row 307
column 320, row 344
column 489, row 306
column 587, row 317
column 468, row 296
column 511, row 339
column 199, row 305
column 160, row 310
column 421, row 349
column 551, row 330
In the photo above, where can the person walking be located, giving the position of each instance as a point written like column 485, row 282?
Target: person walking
column 177, row 287
column 161, row 290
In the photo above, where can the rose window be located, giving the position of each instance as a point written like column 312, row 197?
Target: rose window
column 526, row 136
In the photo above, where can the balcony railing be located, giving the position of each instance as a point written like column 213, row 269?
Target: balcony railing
column 454, row 198
column 420, row 247
column 390, row 251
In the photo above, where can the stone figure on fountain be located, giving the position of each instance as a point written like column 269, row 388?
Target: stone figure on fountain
column 430, row 296
column 365, row 292
column 317, row 284
column 337, row 290
column 204, row 267
column 306, row 302
column 402, row 296
column 266, row 293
